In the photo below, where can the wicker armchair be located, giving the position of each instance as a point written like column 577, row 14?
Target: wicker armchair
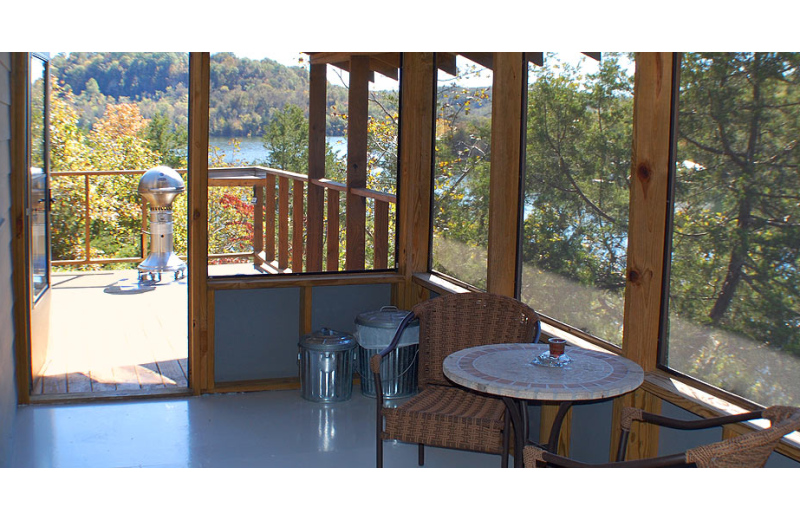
column 750, row 450
column 443, row 414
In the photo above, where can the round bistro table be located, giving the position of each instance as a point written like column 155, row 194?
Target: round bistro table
column 507, row 370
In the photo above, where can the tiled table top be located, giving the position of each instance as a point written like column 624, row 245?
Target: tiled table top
column 506, row 370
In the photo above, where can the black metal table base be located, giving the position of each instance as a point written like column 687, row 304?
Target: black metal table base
column 517, row 409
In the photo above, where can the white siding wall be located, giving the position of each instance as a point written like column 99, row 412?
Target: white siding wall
column 8, row 392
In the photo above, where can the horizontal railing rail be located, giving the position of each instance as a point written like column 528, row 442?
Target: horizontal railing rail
column 271, row 217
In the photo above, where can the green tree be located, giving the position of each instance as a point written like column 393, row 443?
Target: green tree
column 738, row 130
column 577, row 193
column 734, row 299
column 169, row 141
column 68, row 152
column 286, row 140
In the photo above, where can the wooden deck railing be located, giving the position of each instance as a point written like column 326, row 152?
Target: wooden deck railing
column 271, row 218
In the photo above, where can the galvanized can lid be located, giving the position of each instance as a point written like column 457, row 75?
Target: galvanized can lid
column 327, row 339
column 376, row 329
column 388, row 317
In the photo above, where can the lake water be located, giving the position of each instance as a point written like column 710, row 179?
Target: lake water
column 252, row 148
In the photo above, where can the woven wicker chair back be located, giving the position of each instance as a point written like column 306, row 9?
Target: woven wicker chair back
column 458, row 321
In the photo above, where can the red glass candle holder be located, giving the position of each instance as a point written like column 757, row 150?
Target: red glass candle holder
column 556, row 346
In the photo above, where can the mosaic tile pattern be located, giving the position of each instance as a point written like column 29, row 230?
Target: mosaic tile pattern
column 507, row 370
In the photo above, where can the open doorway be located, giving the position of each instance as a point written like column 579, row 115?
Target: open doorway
column 103, row 119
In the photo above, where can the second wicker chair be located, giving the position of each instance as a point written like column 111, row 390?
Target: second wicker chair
column 443, row 414
column 749, row 450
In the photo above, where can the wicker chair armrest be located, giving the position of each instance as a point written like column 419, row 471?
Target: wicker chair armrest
column 629, row 415
column 635, row 414
column 537, row 456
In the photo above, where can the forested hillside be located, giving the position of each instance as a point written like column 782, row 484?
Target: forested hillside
column 245, row 93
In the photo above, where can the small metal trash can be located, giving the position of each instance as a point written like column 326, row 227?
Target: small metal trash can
column 325, row 358
column 374, row 332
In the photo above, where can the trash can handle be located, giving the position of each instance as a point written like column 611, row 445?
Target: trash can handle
column 395, row 377
column 401, row 374
column 389, row 307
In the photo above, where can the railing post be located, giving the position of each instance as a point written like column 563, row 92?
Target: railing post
column 332, row 260
column 381, row 235
column 297, row 226
column 87, row 217
column 269, row 242
column 283, row 222
column 258, row 220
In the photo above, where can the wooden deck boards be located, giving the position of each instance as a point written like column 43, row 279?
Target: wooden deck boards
column 106, row 337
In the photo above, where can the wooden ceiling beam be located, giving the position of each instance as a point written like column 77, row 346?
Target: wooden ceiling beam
column 484, row 59
column 384, row 63
column 329, row 57
column 537, row 58
column 388, row 63
column 345, row 66
column 446, row 62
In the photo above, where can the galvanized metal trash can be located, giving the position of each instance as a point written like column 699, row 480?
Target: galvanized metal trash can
column 325, row 358
column 374, row 332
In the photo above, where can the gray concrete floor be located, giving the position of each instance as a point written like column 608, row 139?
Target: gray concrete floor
column 275, row 429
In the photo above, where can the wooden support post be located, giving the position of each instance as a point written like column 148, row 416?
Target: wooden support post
column 212, row 300
column 652, row 115
column 652, row 120
column 317, row 107
column 416, row 172
column 357, row 119
column 20, row 170
column 199, row 354
column 305, row 309
column 508, row 95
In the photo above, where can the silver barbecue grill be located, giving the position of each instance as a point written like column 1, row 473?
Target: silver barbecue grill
column 159, row 186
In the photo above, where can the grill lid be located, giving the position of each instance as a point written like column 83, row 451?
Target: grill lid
column 160, row 185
